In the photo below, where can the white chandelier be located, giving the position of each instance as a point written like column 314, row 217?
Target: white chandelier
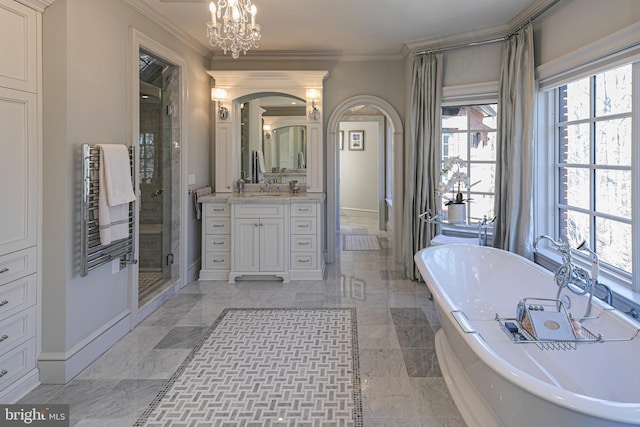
column 233, row 26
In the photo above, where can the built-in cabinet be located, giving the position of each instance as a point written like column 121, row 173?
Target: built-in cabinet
column 269, row 235
column 20, row 169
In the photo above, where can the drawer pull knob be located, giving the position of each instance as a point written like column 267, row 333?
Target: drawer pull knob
column 218, row 209
column 218, row 243
column 4, row 337
column 304, row 210
column 303, row 244
column 218, row 260
column 4, row 270
column 218, row 225
column 304, row 260
column 304, row 226
column 4, row 302
column 3, row 373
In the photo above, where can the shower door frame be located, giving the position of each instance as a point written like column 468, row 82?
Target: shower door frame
column 138, row 41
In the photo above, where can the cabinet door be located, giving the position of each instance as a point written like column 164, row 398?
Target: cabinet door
column 272, row 244
column 18, row 46
column 246, row 245
column 19, row 166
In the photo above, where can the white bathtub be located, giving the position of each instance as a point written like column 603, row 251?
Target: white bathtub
column 496, row 382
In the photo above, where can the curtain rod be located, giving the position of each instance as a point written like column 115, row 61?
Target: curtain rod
column 496, row 40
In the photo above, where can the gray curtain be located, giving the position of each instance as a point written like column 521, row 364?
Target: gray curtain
column 513, row 229
column 421, row 164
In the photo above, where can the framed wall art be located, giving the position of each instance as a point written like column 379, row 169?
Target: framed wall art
column 356, row 140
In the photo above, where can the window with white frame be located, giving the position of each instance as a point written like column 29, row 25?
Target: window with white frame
column 593, row 166
column 469, row 132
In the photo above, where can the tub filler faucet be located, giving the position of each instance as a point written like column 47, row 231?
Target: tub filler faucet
column 569, row 275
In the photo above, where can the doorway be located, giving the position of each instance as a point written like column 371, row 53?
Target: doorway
column 158, row 133
column 393, row 136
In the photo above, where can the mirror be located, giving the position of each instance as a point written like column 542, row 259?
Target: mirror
column 273, row 138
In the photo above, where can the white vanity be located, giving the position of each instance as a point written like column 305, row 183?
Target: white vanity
column 259, row 235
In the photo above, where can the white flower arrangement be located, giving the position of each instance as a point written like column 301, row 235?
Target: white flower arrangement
column 453, row 175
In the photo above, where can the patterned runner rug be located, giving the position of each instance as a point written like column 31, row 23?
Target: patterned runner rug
column 361, row 242
column 267, row 367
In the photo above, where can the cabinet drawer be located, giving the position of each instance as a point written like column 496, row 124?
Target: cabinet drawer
column 304, row 209
column 304, row 261
column 253, row 210
column 17, row 295
column 304, row 243
column 220, row 243
column 17, row 362
column 17, row 329
column 216, row 209
column 217, row 261
column 217, row 226
column 303, row 226
column 17, row 264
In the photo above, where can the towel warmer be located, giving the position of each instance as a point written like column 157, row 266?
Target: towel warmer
column 92, row 253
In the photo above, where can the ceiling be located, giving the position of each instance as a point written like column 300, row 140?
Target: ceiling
column 358, row 28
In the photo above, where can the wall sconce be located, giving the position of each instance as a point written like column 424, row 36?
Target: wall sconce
column 219, row 94
column 266, row 129
column 313, row 95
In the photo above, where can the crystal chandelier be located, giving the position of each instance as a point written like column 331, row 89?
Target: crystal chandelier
column 233, row 26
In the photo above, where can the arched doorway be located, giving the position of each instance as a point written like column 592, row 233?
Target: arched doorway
column 395, row 134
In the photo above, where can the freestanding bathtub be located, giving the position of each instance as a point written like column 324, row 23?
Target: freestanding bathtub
column 495, row 381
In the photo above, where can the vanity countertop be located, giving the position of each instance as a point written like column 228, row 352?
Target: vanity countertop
column 260, row 197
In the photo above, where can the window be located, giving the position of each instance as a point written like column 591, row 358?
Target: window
column 593, row 167
column 469, row 132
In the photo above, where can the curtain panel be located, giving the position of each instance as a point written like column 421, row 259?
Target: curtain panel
column 513, row 230
column 421, row 161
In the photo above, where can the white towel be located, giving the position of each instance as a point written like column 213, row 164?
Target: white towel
column 115, row 192
column 196, row 195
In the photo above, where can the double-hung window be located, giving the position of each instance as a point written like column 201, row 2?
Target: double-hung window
column 590, row 196
column 469, row 132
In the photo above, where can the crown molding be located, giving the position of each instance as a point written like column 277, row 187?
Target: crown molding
column 268, row 79
column 156, row 18
column 39, row 5
column 480, row 36
column 309, row 56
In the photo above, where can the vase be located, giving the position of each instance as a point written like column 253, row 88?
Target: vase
column 457, row 213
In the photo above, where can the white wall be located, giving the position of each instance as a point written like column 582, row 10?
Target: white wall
column 359, row 174
column 86, row 58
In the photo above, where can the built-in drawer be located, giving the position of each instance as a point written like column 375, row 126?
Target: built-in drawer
column 215, row 242
column 303, row 225
column 17, row 362
column 17, row 329
column 304, row 261
column 17, row 264
column 217, row 226
column 303, row 209
column 216, row 209
column 253, row 210
column 304, row 243
column 17, row 295
column 217, row 261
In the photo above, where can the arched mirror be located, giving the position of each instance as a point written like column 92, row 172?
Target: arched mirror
column 273, row 138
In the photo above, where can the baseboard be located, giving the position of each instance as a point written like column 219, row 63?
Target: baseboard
column 61, row 367
column 192, row 272
column 359, row 213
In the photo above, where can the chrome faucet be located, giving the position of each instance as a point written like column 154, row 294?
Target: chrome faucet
column 569, row 275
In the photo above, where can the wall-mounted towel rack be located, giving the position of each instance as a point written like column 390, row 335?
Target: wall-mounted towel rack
column 92, row 253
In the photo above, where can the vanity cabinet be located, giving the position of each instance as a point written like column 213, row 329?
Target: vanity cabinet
column 254, row 235
column 259, row 244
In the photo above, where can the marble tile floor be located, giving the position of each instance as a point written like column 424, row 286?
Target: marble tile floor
column 401, row 382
